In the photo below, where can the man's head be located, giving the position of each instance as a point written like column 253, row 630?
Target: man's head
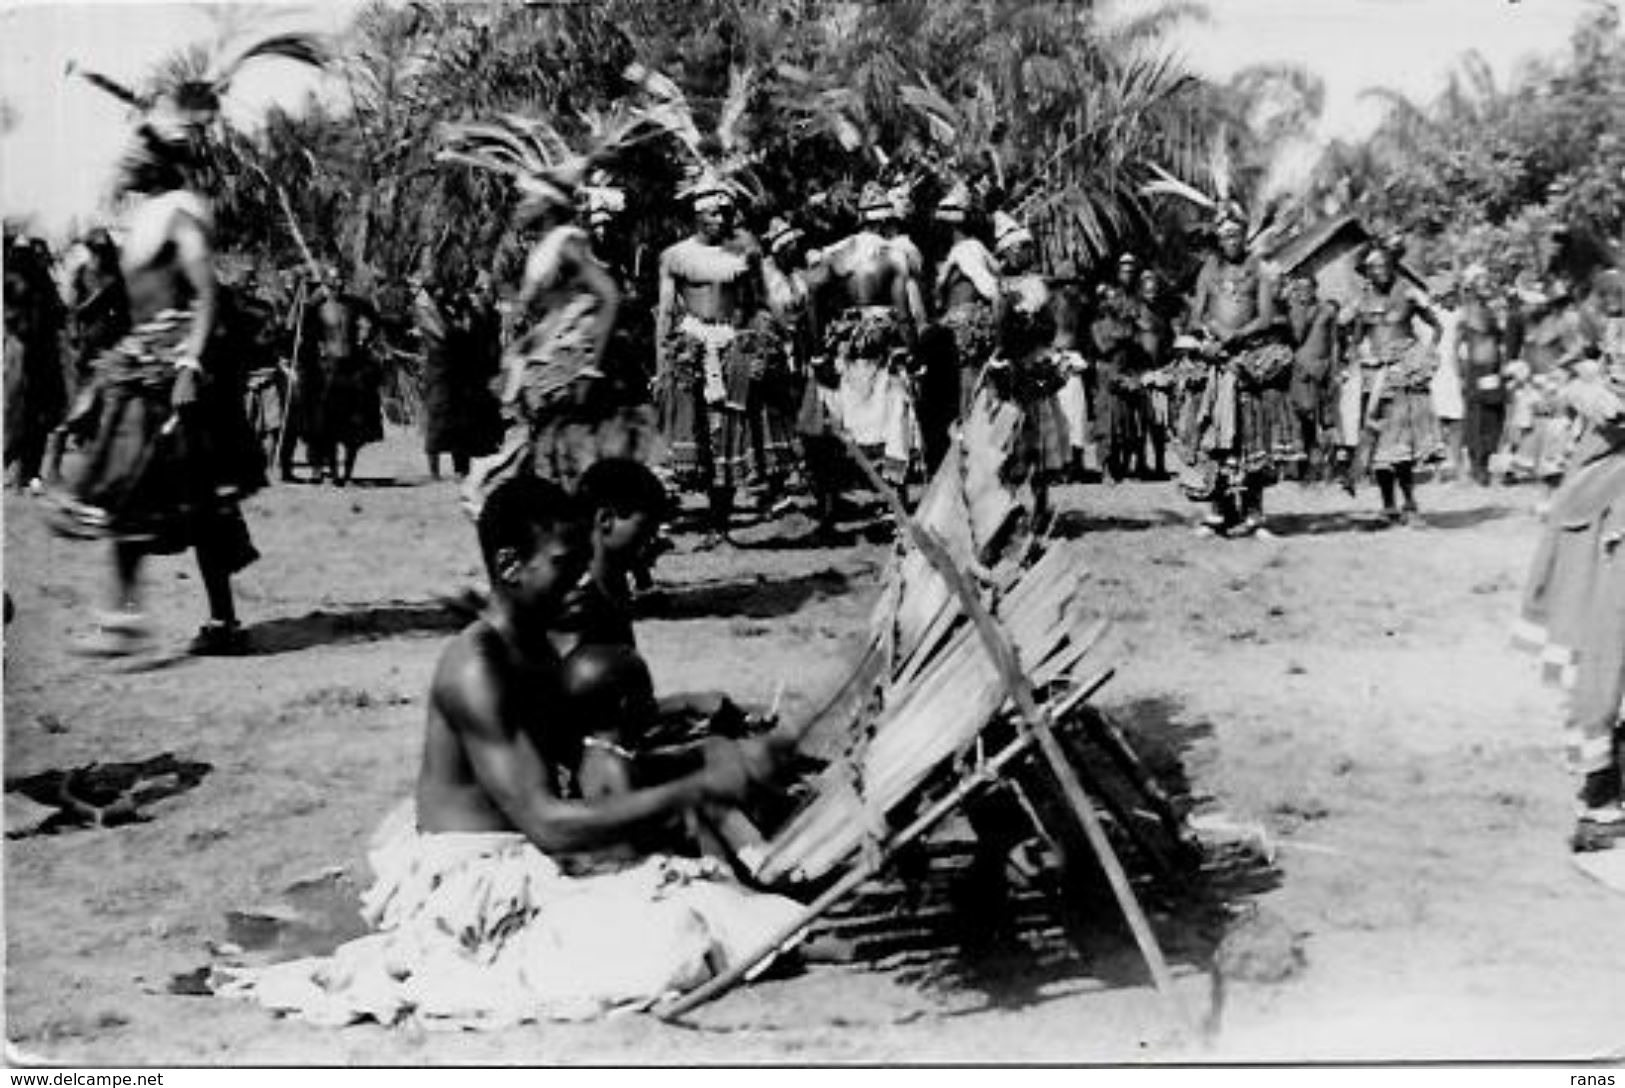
column 1378, row 267
column 534, row 541
column 1300, row 289
column 1150, row 285
column 1232, row 237
column 1012, row 243
column 713, row 210
column 784, row 241
column 1128, row 270
column 875, row 205
column 626, row 504
column 1609, row 291
column 610, row 692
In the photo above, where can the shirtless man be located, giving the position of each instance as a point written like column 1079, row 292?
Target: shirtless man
column 1315, row 366
column 967, row 292
column 1235, row 307
column 500, row 749
column 864, row 280
column 1397, row 393
column 526, row 882
column 712, row 287
column 1483, row 357
column 157, row 399
column 1154, row 334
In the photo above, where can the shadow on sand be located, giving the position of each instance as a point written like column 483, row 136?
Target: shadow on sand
column 1370, row 521
column 1061, row 932
column 363, row 623
column 760, row 597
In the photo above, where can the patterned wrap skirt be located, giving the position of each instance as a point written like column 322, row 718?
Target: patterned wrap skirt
column 151, row 476
column 1400, row 411
column 971, row 324
column 722, row 405
column 561, row 414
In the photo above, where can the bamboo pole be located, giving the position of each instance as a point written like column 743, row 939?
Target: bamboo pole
column 986, row 775
column 999, row 649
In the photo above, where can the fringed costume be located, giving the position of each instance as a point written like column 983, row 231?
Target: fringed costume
column 1399, row 408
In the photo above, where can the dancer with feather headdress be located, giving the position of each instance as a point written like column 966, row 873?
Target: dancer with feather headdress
column 554, row 391
column 720, row 354
column 1247, row 424
column 169, row 452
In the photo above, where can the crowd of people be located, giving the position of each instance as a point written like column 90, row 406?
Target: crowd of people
column 575, row 406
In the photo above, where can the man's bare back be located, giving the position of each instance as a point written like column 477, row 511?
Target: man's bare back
column 870, row 270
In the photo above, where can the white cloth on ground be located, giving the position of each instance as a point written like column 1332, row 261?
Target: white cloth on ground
column 483, row 930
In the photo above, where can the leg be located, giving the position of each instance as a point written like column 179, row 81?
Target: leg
column 721, row 502
column 459, row 464
column 1404, row 474
column 126, row 595
column 1385, row 485
column 121, row 629
column 434, row 466
column 350, row 453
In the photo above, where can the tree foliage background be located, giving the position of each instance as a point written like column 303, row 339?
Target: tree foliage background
column 1057, row 109
column 1520, row 176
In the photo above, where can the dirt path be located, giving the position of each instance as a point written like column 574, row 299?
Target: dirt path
column 1352, row 690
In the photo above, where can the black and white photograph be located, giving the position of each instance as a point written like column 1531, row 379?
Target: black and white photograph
column 717, row 533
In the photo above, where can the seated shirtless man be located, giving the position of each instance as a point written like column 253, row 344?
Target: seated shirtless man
column 512, row 894
column 498, row 744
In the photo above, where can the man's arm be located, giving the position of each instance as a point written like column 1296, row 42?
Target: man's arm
column 1195, row 321
column 194, row 256
column 664, row 305
column 514, row 776
column 599, row 282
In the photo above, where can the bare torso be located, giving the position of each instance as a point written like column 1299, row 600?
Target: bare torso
column 449, row 797
column 1386, row 316
column 1481, row 336
column 708, row 281
column 1313, row 327
column 1228, row 290
column 151, row 257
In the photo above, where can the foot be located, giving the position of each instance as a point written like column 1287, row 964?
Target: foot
column 117, row 634
column 1392, row 516
column 217, row 639
column 1599, row 828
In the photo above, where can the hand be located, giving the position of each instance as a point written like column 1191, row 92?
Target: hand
column 726, row 774
column 185, row 392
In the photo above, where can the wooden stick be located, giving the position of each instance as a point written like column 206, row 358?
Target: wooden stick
column 999, row 649
column 989, row 773
column 293, row 378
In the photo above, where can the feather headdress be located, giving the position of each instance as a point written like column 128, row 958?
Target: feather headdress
column 1222, row 204
column 194, row 101
column 720, row 163
column 543, row 165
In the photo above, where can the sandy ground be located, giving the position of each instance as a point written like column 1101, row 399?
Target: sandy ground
column 1352, row 690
